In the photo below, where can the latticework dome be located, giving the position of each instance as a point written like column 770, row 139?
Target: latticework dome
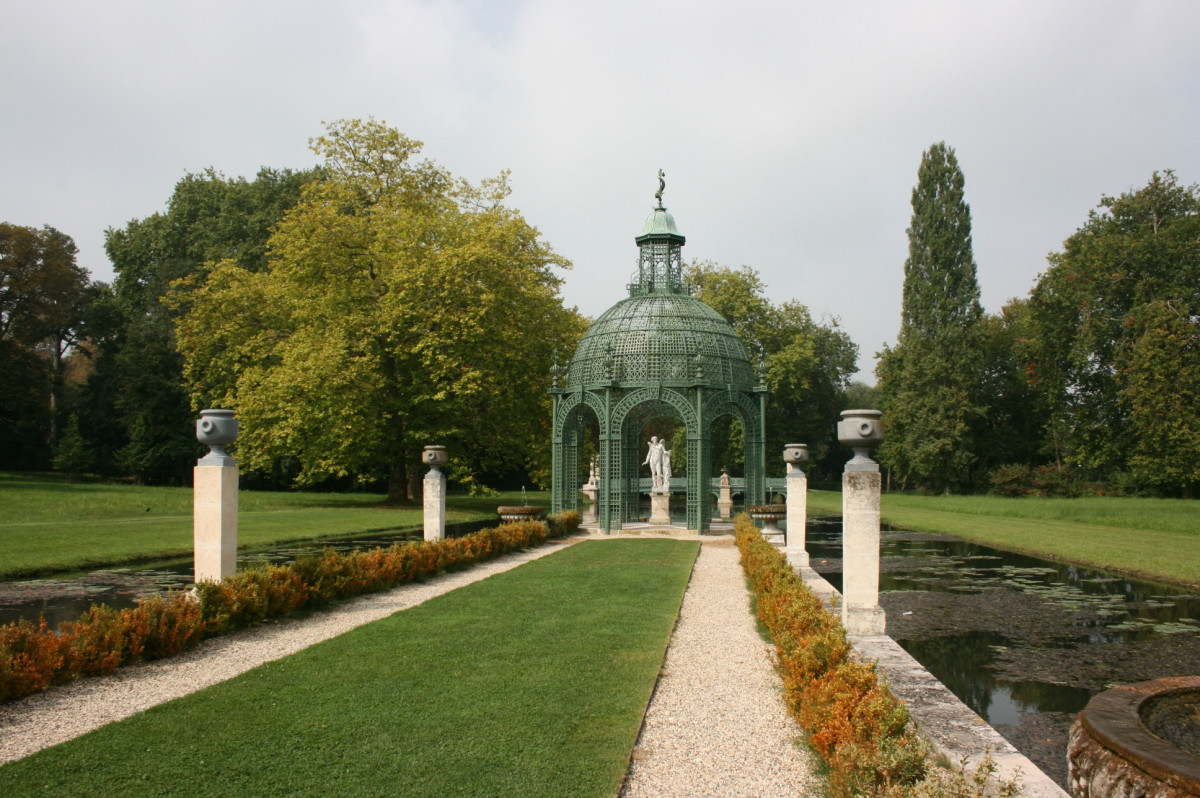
column 669, row 338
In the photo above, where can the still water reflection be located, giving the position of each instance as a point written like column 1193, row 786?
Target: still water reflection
column 1024, row 642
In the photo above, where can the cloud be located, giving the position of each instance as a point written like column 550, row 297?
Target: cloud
column 790, row 132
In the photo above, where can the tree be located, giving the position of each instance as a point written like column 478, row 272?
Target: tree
column 808, row 365
column 137, row 411
column 71, row 455
column 398, row 307
column 1011, row 432
column 1114, row 321
column 929, row 382
column 43, row 293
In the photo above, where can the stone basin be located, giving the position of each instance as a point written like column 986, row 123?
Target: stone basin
column 1138, row 739
column 521, row 513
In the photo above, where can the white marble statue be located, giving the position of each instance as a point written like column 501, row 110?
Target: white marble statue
column 654, row 458
column 666, row 468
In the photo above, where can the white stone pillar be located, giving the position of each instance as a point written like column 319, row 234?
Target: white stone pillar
column 434, row 493
column 797, row 514
column 861, row 613
column 215, row 499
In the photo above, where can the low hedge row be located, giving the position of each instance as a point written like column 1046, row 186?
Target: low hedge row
column 34, row 656
column 852, row 720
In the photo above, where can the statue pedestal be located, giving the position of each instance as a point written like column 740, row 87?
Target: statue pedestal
column 215, row 521
column 861, row 613
column 660, row 507
column 797, row 515
column 434, row 501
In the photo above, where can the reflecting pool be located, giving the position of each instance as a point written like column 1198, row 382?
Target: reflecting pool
column 1025, row 642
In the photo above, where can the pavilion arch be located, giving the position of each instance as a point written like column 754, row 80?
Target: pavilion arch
column 660, row 352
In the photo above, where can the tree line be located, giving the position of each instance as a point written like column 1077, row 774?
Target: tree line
column 350, row 313
column 1094, row 377
column 353, row 312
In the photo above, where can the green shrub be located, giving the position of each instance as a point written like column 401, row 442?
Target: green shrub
column 1056, row 481
column 853, row 721
column 1011, row 480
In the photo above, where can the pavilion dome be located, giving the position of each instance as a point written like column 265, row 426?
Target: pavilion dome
column 656, row 338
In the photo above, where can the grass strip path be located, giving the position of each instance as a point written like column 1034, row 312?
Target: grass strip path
column 528, row 683
column 1154, row 538
column 48, row 525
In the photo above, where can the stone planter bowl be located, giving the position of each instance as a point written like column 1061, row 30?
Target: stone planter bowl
column 434, row 456
column 860, row 429
column 770, row 515
column 216, row 427
column 523, row 513
column 795, row 453
column 1138, row 739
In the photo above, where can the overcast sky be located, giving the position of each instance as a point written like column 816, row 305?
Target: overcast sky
column 790, row 132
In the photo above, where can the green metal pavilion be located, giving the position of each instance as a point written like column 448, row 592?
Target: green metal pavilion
column 659, row 353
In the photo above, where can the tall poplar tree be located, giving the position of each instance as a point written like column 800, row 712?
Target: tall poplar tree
column 929, row 382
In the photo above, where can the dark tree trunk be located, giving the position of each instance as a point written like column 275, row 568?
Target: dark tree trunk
column 414, row 483
column 395, row 491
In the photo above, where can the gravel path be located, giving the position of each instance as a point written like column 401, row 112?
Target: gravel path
column 717, row 724
column 66, row 712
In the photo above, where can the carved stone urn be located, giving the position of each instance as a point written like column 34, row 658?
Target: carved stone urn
column 862, row 431
column 770, row 515
column 216, row 428
column 795, row 454
column 434, row 456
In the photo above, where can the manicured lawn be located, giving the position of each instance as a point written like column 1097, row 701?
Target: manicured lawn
column 1157, row 538
column 48, row 525
column 530, row 683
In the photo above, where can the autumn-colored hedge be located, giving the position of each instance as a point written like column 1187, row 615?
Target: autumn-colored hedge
column 852, row 720
column 34, row 656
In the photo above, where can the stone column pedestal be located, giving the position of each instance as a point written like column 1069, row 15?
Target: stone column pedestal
column 660, row 507
column 434, row 493
column 215, row 521
column 215, row 498
column 797, row 515
column 861, row 613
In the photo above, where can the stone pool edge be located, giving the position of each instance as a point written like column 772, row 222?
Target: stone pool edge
column 952, row 728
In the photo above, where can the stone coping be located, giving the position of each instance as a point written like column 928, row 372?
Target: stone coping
column 1113, row 718
column 951, row 727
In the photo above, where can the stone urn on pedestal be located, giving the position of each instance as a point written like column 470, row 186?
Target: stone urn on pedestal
column 862, row 431
column 770, row 515
column 796, row 455
column 215, row 498
column 434, row 493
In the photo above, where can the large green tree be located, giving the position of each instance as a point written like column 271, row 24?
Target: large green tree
column 43, row 293
column 399, row 307
column 808, row 365
column 1116, row 352
column 137, row 412
column 930, row 381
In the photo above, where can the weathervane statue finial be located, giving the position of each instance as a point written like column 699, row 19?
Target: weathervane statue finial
column 662, row 185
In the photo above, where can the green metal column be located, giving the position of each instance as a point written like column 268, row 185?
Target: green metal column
column 557, row 484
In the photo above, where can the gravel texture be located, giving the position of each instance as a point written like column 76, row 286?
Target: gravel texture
column 63, row 713
column 717, row 724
